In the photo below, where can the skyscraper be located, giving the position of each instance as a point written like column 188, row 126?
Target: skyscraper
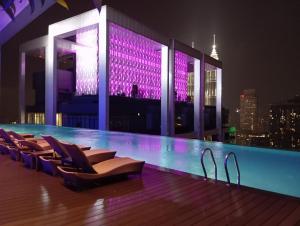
column 284, row 124
column 211, row 78
column 248, row 110
column 214, row 53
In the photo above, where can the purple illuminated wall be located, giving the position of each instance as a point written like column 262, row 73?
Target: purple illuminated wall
column 181, row 76
column 133, row 60
column 87, row 61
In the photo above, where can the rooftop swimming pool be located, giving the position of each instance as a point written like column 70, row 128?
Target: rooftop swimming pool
column 267, row 169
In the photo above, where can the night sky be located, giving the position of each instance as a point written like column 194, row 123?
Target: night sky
column 258, row 41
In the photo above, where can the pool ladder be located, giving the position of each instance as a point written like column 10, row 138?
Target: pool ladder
column 225, row 165
column 202, row 162
column 237, row 168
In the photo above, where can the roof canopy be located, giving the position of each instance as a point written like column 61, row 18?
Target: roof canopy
column 23, row 16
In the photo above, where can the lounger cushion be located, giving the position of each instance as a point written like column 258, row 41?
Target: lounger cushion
column 108, row 168
column 113, row 165
column 99, row 155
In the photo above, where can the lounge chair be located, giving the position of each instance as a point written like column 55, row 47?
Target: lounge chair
column 94, row 155
column 11, row 144
column 5, row 148
column 25, row 136
column 88, row 173
column 20, row 136
column 6, row 142
column 49, row 165
column 31, row 154
column 5, row 137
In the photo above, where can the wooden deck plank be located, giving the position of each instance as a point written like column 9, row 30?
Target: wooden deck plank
column 162, row 194
column 226, row 215
column 193, row 197
column 174, row 203
column 217, row 211
column 157, row 198
column 292, row 219
column 96, row 206
column 199, row 206
column 110, row 213
column 267, row 213
column 279, row 216
column 246, row 216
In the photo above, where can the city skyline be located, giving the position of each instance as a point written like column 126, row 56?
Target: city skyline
column 256, row 41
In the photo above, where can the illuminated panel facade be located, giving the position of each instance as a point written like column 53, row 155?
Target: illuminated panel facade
column 87, row 61
column 210, row 85
column 134, row 64
column 191, row 85
column 181, row 76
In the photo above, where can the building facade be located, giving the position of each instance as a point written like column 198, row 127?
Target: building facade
column 248, row 110
column 114, row 55
column 284, row 124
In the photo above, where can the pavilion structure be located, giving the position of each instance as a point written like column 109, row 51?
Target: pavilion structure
column 115, row 53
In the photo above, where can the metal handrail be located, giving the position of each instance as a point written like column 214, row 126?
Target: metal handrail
column 202, row 162
column 237, row 168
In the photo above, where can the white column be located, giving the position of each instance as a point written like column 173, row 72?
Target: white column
column 171, row 112
column 219, row 104
column 103, row 113
column 164, row 128
column 22, row 94
column 197, row 98
column 202, row 97
column 51, row 81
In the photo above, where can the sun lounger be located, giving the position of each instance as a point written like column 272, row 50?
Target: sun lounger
column 6, row 138
column 31, row 154
column 29, row 137
column 5, row 148
column 94, row 155
column 49, row 165
column 88, row 173
column 12, row 146
column 20, row 136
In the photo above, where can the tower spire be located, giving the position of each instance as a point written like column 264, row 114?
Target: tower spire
column 214, row 39
column 214, row 53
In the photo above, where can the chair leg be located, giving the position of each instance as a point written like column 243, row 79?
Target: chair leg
column 33, row 164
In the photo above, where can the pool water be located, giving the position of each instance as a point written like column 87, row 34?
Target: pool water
column 267, row 169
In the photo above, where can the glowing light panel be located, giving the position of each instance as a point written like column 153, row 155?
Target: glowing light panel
column 181, row 76
column 87, row 61
column 210, row 85
column 133, row 60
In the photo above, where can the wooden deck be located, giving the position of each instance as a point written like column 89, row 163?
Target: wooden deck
column 28, row 197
